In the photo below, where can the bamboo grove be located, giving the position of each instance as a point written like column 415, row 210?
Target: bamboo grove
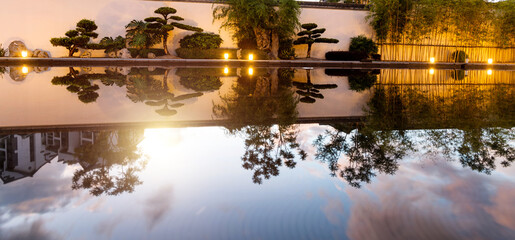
column 415, row 30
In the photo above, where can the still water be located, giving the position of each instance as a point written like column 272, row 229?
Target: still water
column 139, row 153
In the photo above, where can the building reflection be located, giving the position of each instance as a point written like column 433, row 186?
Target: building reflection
column 109, row 160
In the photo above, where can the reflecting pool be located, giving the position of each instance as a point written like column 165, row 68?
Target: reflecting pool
column 190, row 153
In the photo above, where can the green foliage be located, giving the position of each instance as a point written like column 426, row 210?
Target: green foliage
column 311, row 35
column 466, row 21
column 459, row 56
column 165, row 23
column 138, row 36
column 112, row 45
column 191, row 53
column 256, row 21
column 78, row 37
column 143, row 53
column 201, row 41
column 110, row 167
column 286, row 50
column 362, row 44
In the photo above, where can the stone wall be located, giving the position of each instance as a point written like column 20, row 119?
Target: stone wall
column 35, row 22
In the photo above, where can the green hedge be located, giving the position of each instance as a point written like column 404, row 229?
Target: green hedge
column 201, row 41
column 201, row 83
column 258, row 54
column 192, row 53
column 143, row 53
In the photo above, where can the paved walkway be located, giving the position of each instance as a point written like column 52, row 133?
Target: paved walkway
column 54, row 62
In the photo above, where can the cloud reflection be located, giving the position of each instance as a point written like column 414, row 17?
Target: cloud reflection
column 441, row 201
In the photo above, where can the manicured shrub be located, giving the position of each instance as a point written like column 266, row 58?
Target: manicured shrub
column 459, row 56
column 286, row 50
column 345, row 56
column 143, row 53
column 190, row 53
column 201, row 41
column 362, row 44
column 376, row 56
column 77, row 38
column 258, row 54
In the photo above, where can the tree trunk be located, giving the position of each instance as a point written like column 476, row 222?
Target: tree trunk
column 262, row 39
column 275, row 46
column 165, row 44
column 309, row 50
column 72, row 50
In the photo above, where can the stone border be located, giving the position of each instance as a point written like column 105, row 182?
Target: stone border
column 303, row 4
column 103, row 62
column 160, row 124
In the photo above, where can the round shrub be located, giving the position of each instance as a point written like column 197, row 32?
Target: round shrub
column 459, row 56
column 201, row 41
column 362, row 44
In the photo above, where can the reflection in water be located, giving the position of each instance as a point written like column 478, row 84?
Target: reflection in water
column 437, row 134
column 469, row 123
column 109, row 160
column 310, row 91
column 144, row 87
column 256, row 103
column 80, row 83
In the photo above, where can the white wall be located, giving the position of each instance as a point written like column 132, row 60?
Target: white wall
column 35, row 22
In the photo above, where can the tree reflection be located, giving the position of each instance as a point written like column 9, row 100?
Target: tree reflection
column 253, row 108
column 310, row 91
column 80, row 83
column 471, row 125
column 366, row 152
column 110, row 164
column 142, row 86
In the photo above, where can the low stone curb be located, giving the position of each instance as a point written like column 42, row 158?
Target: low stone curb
column 69, row 62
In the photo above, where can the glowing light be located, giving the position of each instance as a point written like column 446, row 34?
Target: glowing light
column 490, row 61
column 251, row 57
column 24, row 54
column 226, row 56
column 431, row 71
column 226, row 70
column 251, row 71
column 25, row 70
column 489, row 71
column 432, row 60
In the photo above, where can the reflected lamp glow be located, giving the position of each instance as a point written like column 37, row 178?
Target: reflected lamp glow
column 489, row 71
column 431, row 71
column 25, row 70
column 24, row 54
column 251, row 71
column 490, row 61
column 251, row 57
column 226, row 70
column 432, row 60
column 226, row 56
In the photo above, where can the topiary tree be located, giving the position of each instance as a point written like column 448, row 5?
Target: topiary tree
column 78, row 38
column 166, row 23
column 312, row 35
column 363, row 44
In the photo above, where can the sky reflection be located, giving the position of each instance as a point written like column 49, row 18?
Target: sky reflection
column 194, row 186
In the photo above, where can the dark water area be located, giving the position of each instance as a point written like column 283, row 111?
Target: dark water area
column 221, row 153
